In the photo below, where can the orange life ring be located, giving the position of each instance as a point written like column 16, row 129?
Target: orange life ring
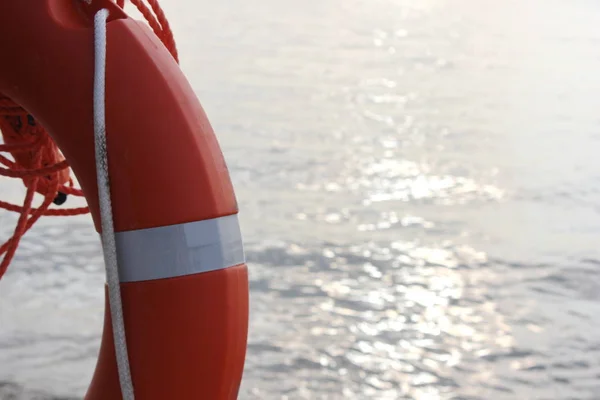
column 184, row 281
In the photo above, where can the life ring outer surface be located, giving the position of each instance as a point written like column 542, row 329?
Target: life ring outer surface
column 184, row 280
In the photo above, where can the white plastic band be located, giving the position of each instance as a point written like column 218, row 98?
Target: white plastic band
column 179, row 250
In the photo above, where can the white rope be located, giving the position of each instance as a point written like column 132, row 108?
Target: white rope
column 108, row 233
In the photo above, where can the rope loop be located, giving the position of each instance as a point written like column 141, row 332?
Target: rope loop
column 29, row 153
column 33, row 157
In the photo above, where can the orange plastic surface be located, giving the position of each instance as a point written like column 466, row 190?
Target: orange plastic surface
column 187, row 335
column 186, row 338
column 165, row 163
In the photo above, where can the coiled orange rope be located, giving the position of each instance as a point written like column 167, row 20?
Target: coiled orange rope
column 37, row 160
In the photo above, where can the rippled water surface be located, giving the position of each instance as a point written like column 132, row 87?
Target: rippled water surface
column 419, row 185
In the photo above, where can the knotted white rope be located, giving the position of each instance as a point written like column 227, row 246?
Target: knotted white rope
column 108, row 233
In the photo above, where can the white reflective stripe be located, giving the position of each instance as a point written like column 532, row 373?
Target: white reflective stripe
column 178, row 250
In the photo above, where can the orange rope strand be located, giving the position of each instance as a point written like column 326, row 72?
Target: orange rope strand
column 37, row 160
